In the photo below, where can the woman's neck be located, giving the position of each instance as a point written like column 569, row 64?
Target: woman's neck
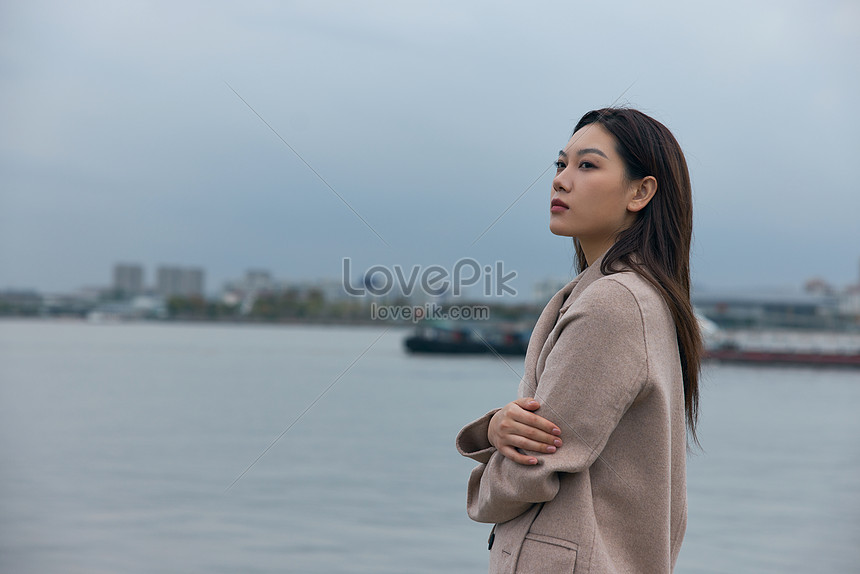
column 594, row 250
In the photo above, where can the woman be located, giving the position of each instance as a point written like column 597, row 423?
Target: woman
column 596, row 481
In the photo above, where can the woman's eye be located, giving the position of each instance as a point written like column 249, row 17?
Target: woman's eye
column 559, row 165
column 586, row 164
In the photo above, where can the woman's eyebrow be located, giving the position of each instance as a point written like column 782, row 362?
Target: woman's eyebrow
column 594, row 150
column 582, row 152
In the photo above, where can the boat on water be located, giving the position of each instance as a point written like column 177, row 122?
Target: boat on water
column 831, row 359
column 781, row 346
column 773, row 347
column 469, row 339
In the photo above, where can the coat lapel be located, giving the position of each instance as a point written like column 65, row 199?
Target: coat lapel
column 542, row 338
column 540, row 334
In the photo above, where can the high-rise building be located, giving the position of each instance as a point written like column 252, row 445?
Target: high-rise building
column 179, row 281
column 128, row 278
column 258, row 280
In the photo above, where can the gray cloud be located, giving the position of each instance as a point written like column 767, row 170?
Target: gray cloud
column 122, row 142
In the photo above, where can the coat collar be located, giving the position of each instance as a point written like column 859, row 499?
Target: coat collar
column 572, row 290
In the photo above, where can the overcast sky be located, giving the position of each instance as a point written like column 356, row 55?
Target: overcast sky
column 121, row 139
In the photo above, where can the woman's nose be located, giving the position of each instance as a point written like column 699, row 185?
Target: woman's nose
column 560, row 183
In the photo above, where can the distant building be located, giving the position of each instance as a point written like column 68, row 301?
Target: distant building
column 259, row 280
column 179, row 282
column 142, row 307
column 770, row 310
column 93, row 293
column 128, row 279
column 254, row 281
column 20, row 302
column 818, row 286
column 542, row 291
column 849, row 302
column 333, row 290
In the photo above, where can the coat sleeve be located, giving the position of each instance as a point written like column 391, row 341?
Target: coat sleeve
column 472, row 439
column 595, row 370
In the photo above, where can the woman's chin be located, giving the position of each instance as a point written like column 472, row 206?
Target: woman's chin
column 559, row 230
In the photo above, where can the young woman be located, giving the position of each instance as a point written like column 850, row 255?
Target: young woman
column 594, row 480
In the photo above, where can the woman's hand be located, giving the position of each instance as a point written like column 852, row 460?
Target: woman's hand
column 515, row 426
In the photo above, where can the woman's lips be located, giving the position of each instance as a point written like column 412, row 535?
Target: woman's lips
column 558, row 206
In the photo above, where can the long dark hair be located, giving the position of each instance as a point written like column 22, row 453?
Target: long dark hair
column 657, row 245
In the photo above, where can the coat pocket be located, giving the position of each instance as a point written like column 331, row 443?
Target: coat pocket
column 541, row 554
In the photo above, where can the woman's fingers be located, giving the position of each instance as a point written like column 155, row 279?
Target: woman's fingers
column 533, row 436
column 527, row 403
column 510, row 427
column 532, row 445
column 533, row 420
column 515, row 426
column 516, row 456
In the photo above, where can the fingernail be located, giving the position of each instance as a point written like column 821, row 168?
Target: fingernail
column 556, row 432
column 550, row 449
column 532, row 403
column 532, row 461
column 556, row 442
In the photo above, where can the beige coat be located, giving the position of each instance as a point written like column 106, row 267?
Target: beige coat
column 613, row 497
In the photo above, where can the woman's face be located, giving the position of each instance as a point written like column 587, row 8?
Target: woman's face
column 591, row 191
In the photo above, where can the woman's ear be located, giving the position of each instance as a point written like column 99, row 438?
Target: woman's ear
column 643, row 191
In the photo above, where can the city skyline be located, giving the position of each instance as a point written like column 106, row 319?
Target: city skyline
column 187, row 280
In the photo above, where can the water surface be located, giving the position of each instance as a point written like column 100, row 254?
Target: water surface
column 119, row 443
